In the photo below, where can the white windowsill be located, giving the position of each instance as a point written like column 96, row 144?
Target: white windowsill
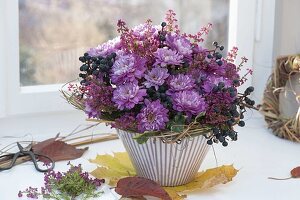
column 41, row 88
column 38, row 125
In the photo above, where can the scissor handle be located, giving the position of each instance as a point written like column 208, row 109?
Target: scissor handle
column 8, row 157
column 34, row 160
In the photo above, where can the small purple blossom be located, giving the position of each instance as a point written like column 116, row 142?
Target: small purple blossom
column 98, row 99
column 189, row 102
column 180, row 82
column 165, row 56
column 91, row 112
column 53, row 189
column 128, row 95
column 126, row 122
column 153, row 117
column 127, row 68
column 156, row 77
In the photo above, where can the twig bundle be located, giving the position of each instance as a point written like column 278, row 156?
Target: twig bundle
column 282, row 127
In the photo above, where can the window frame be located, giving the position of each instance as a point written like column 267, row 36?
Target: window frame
column 16, row 100
column 3, row 81
column 23, row 100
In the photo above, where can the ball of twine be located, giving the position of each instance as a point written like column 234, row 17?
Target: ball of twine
column 284, row 128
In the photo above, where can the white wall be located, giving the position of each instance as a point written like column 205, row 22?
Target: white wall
column 263, row 45
column 287, row 28
column 2, row 66
column 277, row 33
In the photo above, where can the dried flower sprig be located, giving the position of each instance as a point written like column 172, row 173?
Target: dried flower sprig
column 66, row 186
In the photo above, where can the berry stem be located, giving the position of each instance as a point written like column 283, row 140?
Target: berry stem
column 279, row 179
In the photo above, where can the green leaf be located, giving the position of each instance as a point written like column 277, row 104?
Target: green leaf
column 200, row 115
column 177, row 124
column 143, row 138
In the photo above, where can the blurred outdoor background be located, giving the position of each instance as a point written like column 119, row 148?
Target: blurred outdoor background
column 54, row 33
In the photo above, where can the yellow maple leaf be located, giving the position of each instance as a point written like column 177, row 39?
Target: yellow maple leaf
column 113, row 167
column 119, row 166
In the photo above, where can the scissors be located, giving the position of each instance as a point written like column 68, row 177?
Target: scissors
column 11, row 159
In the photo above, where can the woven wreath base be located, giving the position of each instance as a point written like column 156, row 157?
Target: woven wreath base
column 284, row 128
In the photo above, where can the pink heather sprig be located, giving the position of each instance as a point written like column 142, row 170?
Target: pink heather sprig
column 122, row 28
column 172, row 22
column 133, row 42
column 150, row 43
column 243, row 61
column 76, row 89
column 126, row 37
column 147, row 44
column 198, row 37
column 231, row 55
column 244, row 78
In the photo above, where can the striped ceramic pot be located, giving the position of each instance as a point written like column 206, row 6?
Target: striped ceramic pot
column 167, row 164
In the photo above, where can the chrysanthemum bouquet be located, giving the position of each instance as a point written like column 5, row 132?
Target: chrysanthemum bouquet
column 159, row 82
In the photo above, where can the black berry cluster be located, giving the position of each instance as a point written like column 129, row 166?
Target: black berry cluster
column 160, row 94
column 215, row 54
column 233, row 113
column 162, row 34
column 93, row 66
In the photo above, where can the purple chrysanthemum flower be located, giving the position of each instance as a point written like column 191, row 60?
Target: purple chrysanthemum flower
column 214, row 68
column 153, row 117
column 127, row 68
column 165, row 56
column 105, row 48
column 128, row 95
column 145, row 30
column 211, row 81
column 182, row 45
column 156, row 77
column 189, row 102
column 180, row 82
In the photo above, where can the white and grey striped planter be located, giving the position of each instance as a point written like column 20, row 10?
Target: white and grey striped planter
column 167, row 164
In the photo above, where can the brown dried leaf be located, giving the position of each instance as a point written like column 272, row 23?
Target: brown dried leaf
column 138, row 186
column 57, row 150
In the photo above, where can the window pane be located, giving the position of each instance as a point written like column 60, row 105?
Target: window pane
column 54, row 33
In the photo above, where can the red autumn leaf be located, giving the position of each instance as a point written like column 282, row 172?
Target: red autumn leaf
column 57, row 150
column 138, row 186
column 295, row 173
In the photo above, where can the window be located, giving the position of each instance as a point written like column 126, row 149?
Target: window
column 53, row 34
column 43, row 39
